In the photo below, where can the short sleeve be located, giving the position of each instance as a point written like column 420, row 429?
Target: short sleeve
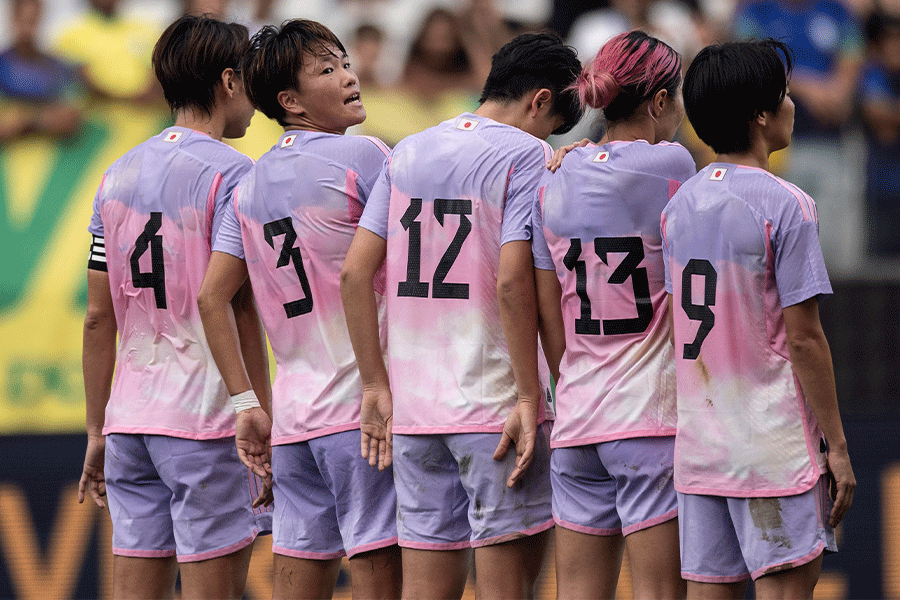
column 96, row 225
column 372, row 162
column 521, row 191
column 800, row 271
column 375, row 214
column 223, row 188
column 228, row 236
column 539, row 249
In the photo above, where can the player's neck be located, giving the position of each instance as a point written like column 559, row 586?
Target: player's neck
column 212, row 124
column 508, row 113
column 759, row 160
column 630, row 131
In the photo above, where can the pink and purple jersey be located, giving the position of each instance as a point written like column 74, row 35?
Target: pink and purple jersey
column 448, row 199
column 596, row 223
column 158, row 208
column 740, row 245
column 292, row 220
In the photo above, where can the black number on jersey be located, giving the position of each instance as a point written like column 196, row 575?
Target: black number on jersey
column 156, row 277
column 634, row 249
column 415, row 288
column 699, row 312
column 290, row 254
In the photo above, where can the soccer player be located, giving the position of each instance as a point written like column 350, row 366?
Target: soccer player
column 598, row 254
column 451, row 213
column 759, row 433
column 289, row 226
column 175, row 484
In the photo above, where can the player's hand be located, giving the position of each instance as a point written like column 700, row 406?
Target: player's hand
column 376, row 420
column 557, row 158
column 92, row 480
column 520, row 429
column 843, row 484
column 252, row 436
column 265, row 497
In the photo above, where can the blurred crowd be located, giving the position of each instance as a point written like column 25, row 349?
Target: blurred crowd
column 423, row 61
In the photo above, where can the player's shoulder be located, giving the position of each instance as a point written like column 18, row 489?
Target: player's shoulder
column 202, row 148
column 665, row 159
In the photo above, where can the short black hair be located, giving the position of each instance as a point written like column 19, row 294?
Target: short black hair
column 532, row 61
column 728, row 85
column 276, row 56
column 190, row 56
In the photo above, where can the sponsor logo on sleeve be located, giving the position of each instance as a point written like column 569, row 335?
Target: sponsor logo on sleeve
column 467, row 124
column 602, row 156
column 173, row 136
column 288, row 140
column 718, row 174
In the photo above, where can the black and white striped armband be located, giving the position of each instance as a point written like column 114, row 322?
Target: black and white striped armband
column 97, row 256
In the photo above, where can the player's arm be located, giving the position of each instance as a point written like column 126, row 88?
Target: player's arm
column 225, row 275
column 517, row 298
column 550, row 320
column 365, row 256
column 811, row 358
column 98, row 364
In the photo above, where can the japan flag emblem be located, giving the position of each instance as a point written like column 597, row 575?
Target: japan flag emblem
column 602, row 156
column 288, row 141
column 718, row 174
column 467, row 124
column 173, row 136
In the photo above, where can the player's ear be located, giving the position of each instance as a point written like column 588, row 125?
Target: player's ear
column 658, row 103
column 228, row 81
column 540, row 102
column 290, row 102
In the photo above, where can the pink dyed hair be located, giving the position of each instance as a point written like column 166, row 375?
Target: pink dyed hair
column 632, row 63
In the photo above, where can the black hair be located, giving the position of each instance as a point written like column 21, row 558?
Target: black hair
column 191, row 55
column 727, row 86
column 532, row 61
column 879, row 23
column 276, row 56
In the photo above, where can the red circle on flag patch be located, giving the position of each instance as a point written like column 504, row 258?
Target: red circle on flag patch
column 467, row 125
column 718, row 173
column 172, row 137
column 603, row 156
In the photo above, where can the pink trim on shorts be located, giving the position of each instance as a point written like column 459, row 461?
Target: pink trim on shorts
column 614, row 437
column 508, row 537
column 372, row 546
column 794, row 491
column 791, row 564
column 672, row 514
column 307, row 555
column 222, row 551
column 714, row 578
column 585, row 529
column 430, row 430
column 434, row 546
column 316, row 433
column 184, row 435
column 143, row 553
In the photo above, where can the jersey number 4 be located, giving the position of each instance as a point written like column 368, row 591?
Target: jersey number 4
column 150, row 239
column 412, row 287
column 290, row 254
column 699, row 312
column 634, row 247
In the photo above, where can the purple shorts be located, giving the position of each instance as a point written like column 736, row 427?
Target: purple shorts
column 171, row 496
column 724, row 539
column 614, row 487
column 452, row 494
column 328, row 501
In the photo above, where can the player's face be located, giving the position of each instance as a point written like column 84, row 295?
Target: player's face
column 782, row 125
column 329, row 93
column 240, row 111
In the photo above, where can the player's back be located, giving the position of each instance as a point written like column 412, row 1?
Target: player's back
column 741, row 244
column 157, row 210
column 458, row 191
column 298, row 210
column 599, row 214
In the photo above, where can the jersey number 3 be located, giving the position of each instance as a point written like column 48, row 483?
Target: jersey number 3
column 290, row 254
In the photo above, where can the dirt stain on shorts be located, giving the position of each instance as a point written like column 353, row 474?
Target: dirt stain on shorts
column 766, row 515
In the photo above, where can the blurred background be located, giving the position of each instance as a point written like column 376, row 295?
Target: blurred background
column 77, row 91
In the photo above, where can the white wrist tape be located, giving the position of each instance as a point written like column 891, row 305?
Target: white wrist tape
column 244, row 400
